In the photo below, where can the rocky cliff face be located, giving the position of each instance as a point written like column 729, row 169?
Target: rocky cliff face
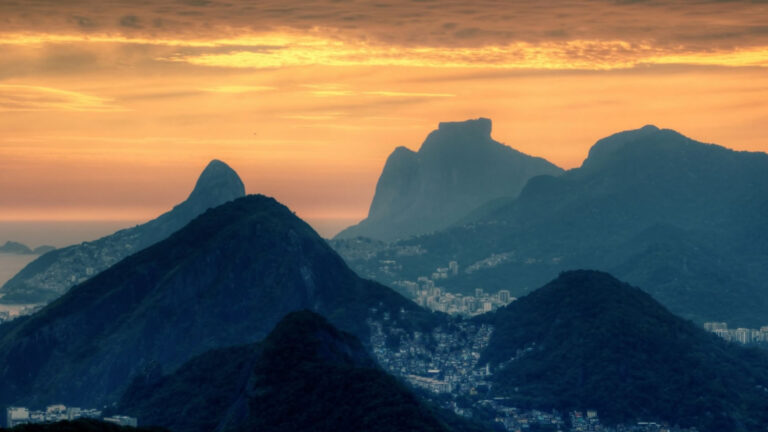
column 51, row 275
column 458, row 168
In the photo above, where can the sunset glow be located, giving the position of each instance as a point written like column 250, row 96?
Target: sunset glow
column 100, row 106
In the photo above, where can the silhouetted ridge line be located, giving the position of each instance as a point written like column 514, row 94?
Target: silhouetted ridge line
column 51, row 275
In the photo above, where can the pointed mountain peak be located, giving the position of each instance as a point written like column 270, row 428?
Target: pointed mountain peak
column 45, row 279
column 218, row 181
column 304, row 322
column 590, row 292
column 251, row 211
column 305, row 336
column 592, row 286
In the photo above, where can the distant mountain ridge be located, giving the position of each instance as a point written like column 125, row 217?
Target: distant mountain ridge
column 305, row 376
column 588, row 341
column 458, row 168
column 16, row 248
column 683, row 220
column 224, row 279
column 54, row 273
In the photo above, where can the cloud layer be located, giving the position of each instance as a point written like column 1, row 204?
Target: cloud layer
column 508, row 34
column 36, row 98
column 701, row 23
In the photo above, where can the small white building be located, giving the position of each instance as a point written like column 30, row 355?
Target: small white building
column 16, row 416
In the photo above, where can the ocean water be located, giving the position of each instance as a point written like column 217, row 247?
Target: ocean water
column 58, row 233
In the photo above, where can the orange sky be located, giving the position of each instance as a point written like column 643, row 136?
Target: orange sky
column 109, row 109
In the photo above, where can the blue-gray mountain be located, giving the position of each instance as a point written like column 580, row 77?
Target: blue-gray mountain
column 458, row 168
column 51, row 275
column 224, row 279
column 683, row 220
column 589, row 341
column 305, row 376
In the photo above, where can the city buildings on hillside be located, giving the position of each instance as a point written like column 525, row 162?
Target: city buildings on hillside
column 426, row 293
column 53, row 413
column 445, row 363
column 740, row 335
column 442, row 361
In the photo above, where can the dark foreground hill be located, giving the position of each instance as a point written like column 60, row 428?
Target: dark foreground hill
column 683, row 220
column 458, row 168
column 305, row 376
column 589, row 341
column 51, row 275
column 225, row 279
